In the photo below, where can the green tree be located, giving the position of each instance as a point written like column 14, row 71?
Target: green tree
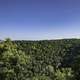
column 64, row 74
column 76, row 67
column 12, row 61
column 41, row 78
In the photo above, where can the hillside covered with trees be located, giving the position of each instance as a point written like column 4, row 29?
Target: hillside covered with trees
column 40, row 60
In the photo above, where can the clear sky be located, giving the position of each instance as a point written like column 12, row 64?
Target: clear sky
column 39, row 19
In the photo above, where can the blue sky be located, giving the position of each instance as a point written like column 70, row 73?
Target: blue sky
column 39, row 19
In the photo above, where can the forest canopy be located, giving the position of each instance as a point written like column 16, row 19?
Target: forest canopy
column 40, row 60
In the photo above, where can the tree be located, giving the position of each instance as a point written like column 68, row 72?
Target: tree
column 41, row 78
column 12, row 61
column 64, row 74
column 76, row 67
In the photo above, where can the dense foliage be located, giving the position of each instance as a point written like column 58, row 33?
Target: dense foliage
column 40, row 60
